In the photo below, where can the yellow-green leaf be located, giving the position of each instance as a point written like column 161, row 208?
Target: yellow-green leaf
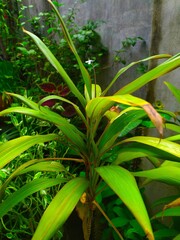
column 170, row 174
column 159, row 147
column 60, row 208
column 11, row 149
column 52, row 59
column 28, row 189
column 122, row 182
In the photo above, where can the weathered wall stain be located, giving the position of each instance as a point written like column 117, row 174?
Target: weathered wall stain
column 156, row 37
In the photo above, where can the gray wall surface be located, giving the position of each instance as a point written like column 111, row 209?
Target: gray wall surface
column 130, row 18
column 166, row 39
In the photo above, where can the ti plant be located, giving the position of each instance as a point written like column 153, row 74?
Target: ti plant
column 90, row 145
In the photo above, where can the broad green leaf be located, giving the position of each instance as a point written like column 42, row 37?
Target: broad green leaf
column 121, row 71
column 11, row 149
column 169, row 212
column 175, row 91
column 126, row 155
column 28, row 189
column 129, row 153
column 52, row 59
column 169, row 174
column 60, row 208
column 161, row 148
column 122, row 182
column 155, row 73
column 83, row 70
column 120, row 126
column 97, row 107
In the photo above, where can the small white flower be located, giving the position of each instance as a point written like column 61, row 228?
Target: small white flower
column 89, row 61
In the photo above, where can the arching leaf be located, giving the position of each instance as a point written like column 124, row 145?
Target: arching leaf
column 11, row 149
column 60, row 208
column 122, row 182
column 28, row 189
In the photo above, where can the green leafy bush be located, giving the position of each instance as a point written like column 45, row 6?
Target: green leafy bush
column 89, row 146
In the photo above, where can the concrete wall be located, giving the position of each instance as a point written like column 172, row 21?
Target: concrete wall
column 166, row 39
column 121, row 19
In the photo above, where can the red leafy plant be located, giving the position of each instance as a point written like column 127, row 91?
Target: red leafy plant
column 60, row 90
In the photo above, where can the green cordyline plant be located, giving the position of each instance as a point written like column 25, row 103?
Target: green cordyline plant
column 90, row 146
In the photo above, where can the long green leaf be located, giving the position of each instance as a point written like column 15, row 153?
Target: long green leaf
column 32, row 165
column 161, row 148
column 52, row 59
column 175, row 91
column 121, row 71
column 44, row 166
column 172, row 126
column 11, row 149
column 124, row 185
column 97, row 107
column 129, row 153
column 28, row 189
column 155, row 73
column 169, row 212
column 174, row 138
column 120, row 126
column 70, row 131
column 83, row 70
column 60, row 208
column 169, row 174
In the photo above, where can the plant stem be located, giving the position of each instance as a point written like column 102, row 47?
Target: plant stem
column 109, row 220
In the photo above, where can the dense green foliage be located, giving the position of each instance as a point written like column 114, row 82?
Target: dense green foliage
column 99, row 142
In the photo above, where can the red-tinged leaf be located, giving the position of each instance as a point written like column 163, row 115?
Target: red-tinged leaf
column 49, row 103
column 154, row 116
column 48, row 87
column 63, row 90
column 69, row 110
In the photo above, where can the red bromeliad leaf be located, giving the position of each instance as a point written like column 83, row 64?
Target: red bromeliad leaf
column 63, row 90
column 48, row 87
